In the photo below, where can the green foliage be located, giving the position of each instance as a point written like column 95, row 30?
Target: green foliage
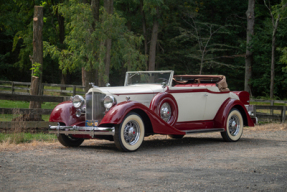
column 177, row 48
column 283, row 58
column 36, row 69
column 84, row 42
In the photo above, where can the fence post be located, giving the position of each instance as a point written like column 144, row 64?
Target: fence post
column 74, row 90
column 283, row 114
column 254, row 110
column 272, row 104
column 12, row 87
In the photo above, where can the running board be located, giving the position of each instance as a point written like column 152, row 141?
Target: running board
column 203, row 130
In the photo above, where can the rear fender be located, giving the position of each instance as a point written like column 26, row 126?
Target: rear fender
column 117, row 114
column 223, row 112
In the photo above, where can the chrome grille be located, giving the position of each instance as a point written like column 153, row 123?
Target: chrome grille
column 95, row 109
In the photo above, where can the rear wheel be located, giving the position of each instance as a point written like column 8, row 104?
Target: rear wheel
column 129, row 135
column 70, row 141
column 234, row 126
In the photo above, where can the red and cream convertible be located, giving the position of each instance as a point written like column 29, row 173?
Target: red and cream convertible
column 153, row 102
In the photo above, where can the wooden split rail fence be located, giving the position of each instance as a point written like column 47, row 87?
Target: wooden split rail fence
column 281, row 116
column 23, row 88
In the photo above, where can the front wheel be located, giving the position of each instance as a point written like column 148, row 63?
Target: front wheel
column 129, row 135
column 234, row 126
column 70, row 141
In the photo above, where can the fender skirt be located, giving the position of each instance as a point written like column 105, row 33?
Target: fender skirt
column 117, row 114
column 223, row 112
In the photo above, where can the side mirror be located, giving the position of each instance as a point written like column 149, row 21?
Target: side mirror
column 108, row 85
column 163, row 84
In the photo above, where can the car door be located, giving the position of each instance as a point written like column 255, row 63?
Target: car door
column 191, row 103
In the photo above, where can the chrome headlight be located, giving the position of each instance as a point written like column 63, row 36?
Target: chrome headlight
column 78, row 101
column 109, row 101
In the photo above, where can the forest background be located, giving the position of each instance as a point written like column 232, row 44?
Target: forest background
column 98, row 41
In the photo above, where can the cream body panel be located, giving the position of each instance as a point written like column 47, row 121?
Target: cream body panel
column 214, row 102
column 191, row 106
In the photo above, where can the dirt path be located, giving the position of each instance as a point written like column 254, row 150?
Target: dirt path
column 199, row 162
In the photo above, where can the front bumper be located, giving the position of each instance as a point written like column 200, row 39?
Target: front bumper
column 82, row 130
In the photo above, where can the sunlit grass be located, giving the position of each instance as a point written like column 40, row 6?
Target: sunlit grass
column 9, row 117
column 25, row 104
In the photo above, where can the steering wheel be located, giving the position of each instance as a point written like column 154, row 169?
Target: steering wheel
column 161, row 80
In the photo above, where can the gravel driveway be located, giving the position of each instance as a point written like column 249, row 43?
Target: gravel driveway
column 198, row 162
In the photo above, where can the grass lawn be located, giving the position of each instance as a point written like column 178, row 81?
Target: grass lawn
column 26, row 137
column 9, row 117
column 25, row 104
column 22, row 104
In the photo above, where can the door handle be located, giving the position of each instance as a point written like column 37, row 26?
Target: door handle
column 205, row 94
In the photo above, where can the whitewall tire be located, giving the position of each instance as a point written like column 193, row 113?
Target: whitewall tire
column 234, row 126
column 129, row 135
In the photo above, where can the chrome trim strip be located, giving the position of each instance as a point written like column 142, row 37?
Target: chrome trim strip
column 203, row 130
column 81, row 130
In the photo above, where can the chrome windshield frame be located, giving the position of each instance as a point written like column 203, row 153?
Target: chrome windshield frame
column 169, row 83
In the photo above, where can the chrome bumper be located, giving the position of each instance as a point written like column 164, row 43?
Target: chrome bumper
column 81, row 130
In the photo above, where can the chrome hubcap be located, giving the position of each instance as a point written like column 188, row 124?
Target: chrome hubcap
column 132, row 132
column 165, row 112
column 234, row 125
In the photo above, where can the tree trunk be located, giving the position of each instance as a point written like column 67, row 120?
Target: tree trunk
column 37, row 54
column 152, row 49
column 34, row 90
column 144, row 29
column 272, row 75
column 91, row 75
column 103, row 79
column 65, row 78
column 249, row 55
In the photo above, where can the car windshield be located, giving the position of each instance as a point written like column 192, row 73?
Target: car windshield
column 148, row 77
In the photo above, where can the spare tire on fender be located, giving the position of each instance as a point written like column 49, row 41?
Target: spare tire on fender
column 165, row 106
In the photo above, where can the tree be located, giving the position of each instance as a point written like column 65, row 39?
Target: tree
column 108, row 5
column 204, row 49
column 249, row 55
column 275, row 18
column 85, row 41
column 37, row 59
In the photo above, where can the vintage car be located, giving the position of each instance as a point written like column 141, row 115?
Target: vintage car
column 153, row 102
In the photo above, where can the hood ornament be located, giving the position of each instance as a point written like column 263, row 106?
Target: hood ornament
column 93, row 85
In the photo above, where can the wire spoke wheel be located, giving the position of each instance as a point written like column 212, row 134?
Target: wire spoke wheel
column 129, row 134
column 132, row 132
column 234, row 126
column 165, row 112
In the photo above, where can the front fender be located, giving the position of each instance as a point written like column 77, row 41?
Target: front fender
column 65, row 112
column 117, row 114
column 223, row 112
column 161, row 98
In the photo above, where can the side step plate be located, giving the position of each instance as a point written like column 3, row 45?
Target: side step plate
column 203, row 130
